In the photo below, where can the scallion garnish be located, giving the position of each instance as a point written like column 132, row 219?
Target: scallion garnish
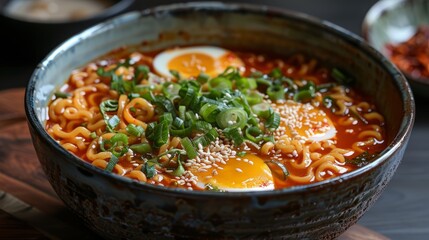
column 141, row 148
column 62, row 94
column 189, row 147
column 232, row 118
column 112, row 163
column 134, row 130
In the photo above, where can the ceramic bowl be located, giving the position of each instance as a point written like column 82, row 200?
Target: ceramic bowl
column 29, row 41
column 117, row 207
column 393, row 22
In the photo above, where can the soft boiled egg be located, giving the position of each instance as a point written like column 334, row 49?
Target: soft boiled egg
column 191, row 61
column 305, row 121
column 247, row 173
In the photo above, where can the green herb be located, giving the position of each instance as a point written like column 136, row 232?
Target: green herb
column 109, row 106
column 62, row 94
column 112, row 163
column 275, row 166
column 276, row 92
column 362, row 159
column 141, row 148
column 241, row 154
column 212, row 188
column 189, row 148
column 93, row 135
column 180, row 169
column 232, row 118
column 341, row 77
column 176, row 74
column 149, row 169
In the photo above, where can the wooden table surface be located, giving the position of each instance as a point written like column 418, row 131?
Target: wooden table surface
column 400, row 213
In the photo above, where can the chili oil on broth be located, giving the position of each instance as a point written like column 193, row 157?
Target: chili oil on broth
column 334, row 131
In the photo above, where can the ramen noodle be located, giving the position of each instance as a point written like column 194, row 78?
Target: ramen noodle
column 208, row 118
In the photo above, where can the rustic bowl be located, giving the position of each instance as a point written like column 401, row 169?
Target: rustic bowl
column 117, row 207
column 393, row 22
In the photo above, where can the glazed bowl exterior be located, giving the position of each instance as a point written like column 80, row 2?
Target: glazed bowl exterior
column 393, row 22
column 117, row 207
column 29, row 41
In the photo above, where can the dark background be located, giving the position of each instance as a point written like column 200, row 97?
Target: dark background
column 402, row 212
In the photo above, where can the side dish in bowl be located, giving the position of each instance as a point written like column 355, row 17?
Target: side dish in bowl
column 218, row 120
column 400, row 30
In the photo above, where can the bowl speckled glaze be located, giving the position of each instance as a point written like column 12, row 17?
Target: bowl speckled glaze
column 395, row 21
column 117, row 207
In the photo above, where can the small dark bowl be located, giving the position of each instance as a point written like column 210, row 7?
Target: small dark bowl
column 26, row 41
column 393, row 22
column 118, row 207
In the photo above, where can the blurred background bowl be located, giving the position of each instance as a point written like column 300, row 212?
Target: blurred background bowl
column 117, row 207
column 27, row 39
column 395, row 21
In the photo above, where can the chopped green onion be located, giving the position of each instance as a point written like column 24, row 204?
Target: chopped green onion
column 113, row 122
column 178, row 123
column 220, row 83
column 235, row 135
column 161, row 134
column 134, row 130
column 180, row 169
column 273, row 121
column 241, row 154
column 362, row 159
column 189, row 148
column 182, row 111
column 207, row 138
column 209, row 112
column 176, row 74
column 341, row 78
column 276, row 92
column 141, row 148
column 181, row 132
column 232, row 118
column 306, row 93
column 149, row 169
column 108, row 106
column 284, row 172
column 252, row 133
column 141, row 72
column 93, row 135
column 62, row 95
column 276, row 73
column 262, row 109
column 202, row 126
column 325, row 87
column 253, row 97
column 112, row 163
column 244, row 83
column 203, row 78
column 167, row 118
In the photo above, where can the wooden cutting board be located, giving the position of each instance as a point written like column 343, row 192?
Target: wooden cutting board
column 32, row 209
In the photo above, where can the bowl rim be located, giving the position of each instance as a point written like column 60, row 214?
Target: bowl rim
column 403, row 87
column 116, row 7
column 372, row 16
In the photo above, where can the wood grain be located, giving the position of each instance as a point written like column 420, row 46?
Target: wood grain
column 21, row 176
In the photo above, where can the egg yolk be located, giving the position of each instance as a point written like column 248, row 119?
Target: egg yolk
column 192, row 64
column 311, row 123
column 239, row 174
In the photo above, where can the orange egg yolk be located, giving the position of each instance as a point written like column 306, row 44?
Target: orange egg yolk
column 240, row 173
column 192, row 64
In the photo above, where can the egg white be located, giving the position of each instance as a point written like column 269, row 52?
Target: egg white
column 162, row 60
